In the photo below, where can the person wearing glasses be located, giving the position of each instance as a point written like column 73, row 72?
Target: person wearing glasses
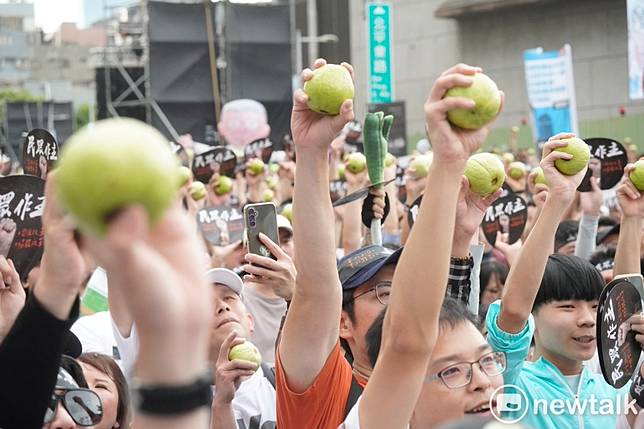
column 104, row 377
column 334, row 304
column 462, row 375
column 431, row 368
column 72, row 405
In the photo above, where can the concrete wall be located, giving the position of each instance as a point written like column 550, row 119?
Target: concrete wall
column 424, row 46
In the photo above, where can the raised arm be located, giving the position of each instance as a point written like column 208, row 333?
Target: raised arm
column 312, row 324
column 590, row 203
column 160, row 271
column 36, row 341
column 525, row 275
column 352, row 213
column 627, row 256
column 411, row 324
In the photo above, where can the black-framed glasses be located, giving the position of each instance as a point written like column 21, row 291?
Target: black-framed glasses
column 460, row 374
column 83, row 406
column 382, row 289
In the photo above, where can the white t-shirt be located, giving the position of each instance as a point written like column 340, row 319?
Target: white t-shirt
column 95, row 335
column 128, row 347
column 353, row 418
column 254, row 404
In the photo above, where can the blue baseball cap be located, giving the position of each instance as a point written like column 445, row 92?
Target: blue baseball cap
column 363, row 264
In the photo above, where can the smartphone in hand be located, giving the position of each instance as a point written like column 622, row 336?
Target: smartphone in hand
column 261, row 217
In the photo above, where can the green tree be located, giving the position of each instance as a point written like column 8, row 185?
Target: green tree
column 83, row 115
column 8, row 95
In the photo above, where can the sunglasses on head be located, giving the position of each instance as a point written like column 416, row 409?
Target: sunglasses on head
column 83, row 406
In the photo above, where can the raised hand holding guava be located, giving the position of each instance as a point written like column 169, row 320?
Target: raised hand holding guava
column 115, row 163
column 562, row 187
column 313, row 129
column 444, row 136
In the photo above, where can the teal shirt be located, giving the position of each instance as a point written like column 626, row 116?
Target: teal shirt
column 547, row 399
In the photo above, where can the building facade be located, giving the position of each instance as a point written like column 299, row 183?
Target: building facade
column 494, row 35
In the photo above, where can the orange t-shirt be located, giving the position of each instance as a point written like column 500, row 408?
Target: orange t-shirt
column 322, row 405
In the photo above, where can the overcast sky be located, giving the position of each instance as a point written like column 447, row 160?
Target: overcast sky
column 51, row 13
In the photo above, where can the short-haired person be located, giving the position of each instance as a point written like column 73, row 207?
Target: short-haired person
column 452, row 390
column 104, row 377
column 553, row 298
column 316, row 385
column 493, row 275
column 73, row 405
column 396, row 397
column 241, row 393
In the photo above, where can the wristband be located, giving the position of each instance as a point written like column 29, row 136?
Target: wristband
column 167, row 400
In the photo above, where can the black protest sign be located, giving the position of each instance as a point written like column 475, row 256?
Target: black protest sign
column 607, row 161
column 221, row 225
column 262, row 149
column 39, row 153
column 181, row 154
column 22, row 200
column 338, row 189
column 619, row 352
column 219, row 159
column 508, row 215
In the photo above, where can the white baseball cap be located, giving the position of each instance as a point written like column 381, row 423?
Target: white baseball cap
column 226, row 277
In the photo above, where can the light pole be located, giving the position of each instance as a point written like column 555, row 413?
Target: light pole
column 313, row 40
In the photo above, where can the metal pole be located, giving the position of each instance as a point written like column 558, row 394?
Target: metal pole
column 293, row 24
column 312, row 26
column 145, row 39
column 298, row 51
column 213, row 59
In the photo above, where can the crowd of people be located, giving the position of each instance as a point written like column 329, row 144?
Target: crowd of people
column 419, row 332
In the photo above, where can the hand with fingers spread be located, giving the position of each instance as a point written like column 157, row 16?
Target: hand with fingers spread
column 591, row 202
column 451, row 144
column 12, row 295
column 562, row 189
column 629, row 198
column 314, row 130
column 279, row 274
column 229, row 374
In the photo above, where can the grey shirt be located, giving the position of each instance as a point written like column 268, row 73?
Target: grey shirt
column 267, row 315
